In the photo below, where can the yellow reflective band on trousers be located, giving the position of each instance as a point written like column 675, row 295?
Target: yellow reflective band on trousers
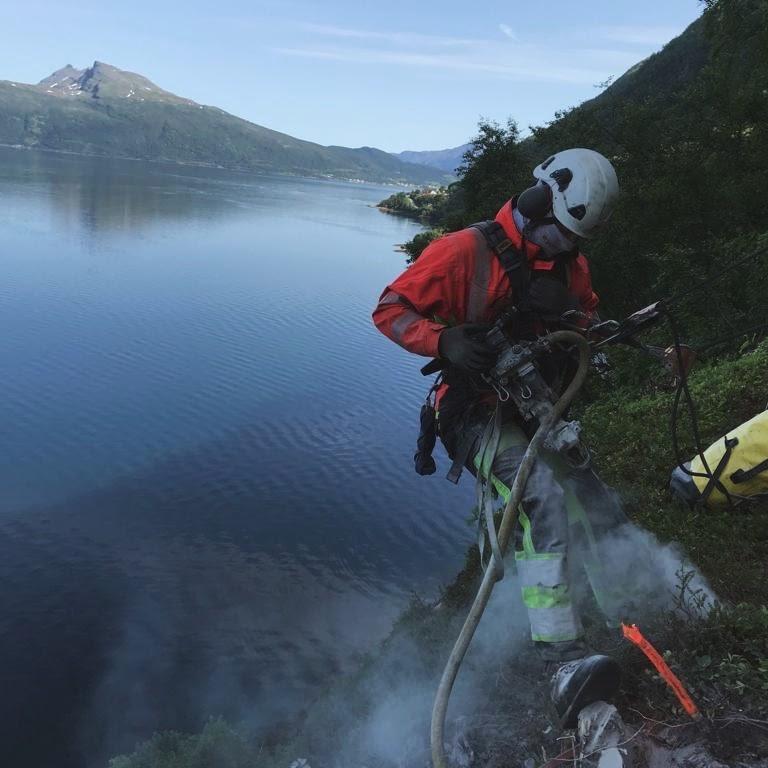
column 545, row 590
column 547, row 597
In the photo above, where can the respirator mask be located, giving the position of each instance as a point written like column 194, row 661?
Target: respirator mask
column 539, row 225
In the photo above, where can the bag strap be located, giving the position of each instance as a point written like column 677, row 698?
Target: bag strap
column 743, row 475
column 714, row 480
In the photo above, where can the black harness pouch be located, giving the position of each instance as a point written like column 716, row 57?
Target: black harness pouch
column 425, row 444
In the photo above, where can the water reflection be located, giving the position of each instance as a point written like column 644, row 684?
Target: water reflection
column 103, row 195
column 195, row 587
column 207, row 495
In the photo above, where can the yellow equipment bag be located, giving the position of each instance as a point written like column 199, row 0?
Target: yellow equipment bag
column 738, row 463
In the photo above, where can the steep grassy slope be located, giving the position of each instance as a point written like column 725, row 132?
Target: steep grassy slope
column 687, row 130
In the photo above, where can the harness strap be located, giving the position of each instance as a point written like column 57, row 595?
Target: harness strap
column 515, row 266
column 460, row 459
column 488, row 448
column 513, row 261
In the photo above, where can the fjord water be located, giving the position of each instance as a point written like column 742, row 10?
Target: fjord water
column 208, row 505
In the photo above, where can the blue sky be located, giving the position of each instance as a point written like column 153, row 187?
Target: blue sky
column 394, row 74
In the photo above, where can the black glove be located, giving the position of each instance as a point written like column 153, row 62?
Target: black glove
column 465, row 347
column 550, row 298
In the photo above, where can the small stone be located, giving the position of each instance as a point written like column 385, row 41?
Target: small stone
column 601, row 731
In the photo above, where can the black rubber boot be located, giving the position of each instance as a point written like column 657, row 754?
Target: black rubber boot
column 575, row 684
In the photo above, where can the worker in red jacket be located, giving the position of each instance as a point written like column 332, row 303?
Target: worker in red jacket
column 441, row 307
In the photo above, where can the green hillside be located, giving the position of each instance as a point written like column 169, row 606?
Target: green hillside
column 106, row 111
column 687, row 130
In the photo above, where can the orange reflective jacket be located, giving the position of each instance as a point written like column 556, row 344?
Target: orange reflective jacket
column 458, row 279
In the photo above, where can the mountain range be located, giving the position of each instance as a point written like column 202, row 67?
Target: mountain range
column 447, row 160
column 103, row 110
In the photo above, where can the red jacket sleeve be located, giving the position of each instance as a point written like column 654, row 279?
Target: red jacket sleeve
column 587, row 297
column 429, row 295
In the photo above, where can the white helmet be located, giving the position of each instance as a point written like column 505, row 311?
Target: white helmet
column 584, row 189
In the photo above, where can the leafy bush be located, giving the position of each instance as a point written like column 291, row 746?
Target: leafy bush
column 414, row 247
column 722, row 659
column 426, row 205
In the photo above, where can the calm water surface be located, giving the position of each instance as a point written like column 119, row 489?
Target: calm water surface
column 207, row 502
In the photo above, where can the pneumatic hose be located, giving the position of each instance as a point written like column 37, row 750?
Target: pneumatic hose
column 451, row 670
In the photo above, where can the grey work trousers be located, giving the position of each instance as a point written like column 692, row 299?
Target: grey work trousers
column 564, row 514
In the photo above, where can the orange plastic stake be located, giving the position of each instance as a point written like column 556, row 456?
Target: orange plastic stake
column 634, row 635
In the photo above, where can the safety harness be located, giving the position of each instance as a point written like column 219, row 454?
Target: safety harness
column 513, row 260
column 515, row 265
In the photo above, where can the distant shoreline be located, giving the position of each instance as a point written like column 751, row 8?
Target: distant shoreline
column 395, row 212
column 191, row 164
